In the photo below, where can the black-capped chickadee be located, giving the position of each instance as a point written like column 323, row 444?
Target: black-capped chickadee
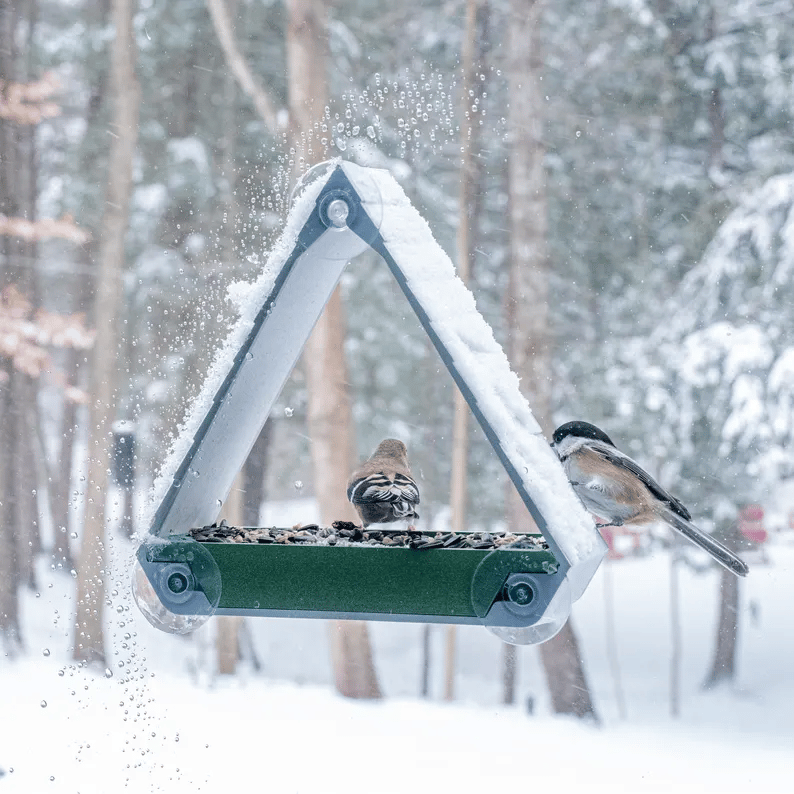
column 383, row 489
column 615, row 488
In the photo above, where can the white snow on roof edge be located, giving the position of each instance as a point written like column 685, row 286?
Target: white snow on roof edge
column 479, row 358
column 247, row 299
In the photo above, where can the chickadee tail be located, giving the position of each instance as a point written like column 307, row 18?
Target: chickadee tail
column 724, row 556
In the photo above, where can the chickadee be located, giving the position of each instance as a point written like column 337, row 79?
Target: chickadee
column 614, row 487
column 383, row 490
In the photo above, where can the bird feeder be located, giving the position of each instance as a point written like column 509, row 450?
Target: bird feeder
column 523, row 592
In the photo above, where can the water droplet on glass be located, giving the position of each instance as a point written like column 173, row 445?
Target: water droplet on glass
column 46, row 651
column 73, row 536
column 289, row 411
column 108, row 673
column 298, row 484
column 44, row 704
column 73, row 573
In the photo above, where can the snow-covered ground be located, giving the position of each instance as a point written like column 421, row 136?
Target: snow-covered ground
column 162, row 721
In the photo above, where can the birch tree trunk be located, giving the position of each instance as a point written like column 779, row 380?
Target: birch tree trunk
column 329, row 411
column 89, row 640
column 527, row 307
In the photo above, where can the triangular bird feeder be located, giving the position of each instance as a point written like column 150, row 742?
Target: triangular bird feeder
column 524, row 594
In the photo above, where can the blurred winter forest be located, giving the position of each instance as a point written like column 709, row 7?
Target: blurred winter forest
column 614, row 180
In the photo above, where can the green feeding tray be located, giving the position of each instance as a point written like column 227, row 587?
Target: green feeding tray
column 521, row 590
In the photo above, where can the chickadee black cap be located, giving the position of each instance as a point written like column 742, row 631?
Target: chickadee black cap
column 581, row 430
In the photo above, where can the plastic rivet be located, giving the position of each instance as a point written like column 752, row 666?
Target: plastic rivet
column 520, row 593
column 338, row 212
column 177, row 583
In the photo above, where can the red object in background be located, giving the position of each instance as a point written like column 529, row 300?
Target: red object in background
column 610, row 533
column 751, row 523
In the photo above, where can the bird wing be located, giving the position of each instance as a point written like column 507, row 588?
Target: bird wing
column 618, row 458
column 379, row 487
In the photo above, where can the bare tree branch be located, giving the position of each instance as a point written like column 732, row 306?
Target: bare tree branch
column 234, row 58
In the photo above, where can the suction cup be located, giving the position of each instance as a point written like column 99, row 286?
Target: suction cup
column 349, row 206
column 176, row 585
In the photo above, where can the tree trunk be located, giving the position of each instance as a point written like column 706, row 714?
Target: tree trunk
column 562, row 662
column 26, row 486
column 227, row 627
column 465, row 249
column 509, row 666
column 10, row 632
column 19, row 538
column 675, row 633
column 450, row 645
column 330, row 418
column 424, row 686
column 89, row 640
column 528, row 311
column 723, row 667
column 716, row 110
column 254, row 473
column 611, row 638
